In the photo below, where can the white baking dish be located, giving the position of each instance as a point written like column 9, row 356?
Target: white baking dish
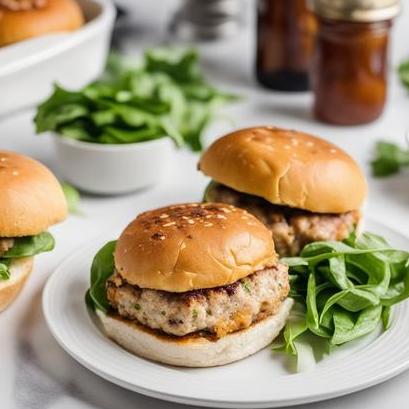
column 29, row 68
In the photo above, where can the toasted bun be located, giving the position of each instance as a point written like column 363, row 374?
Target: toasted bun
column 31, row 197
column 20, row 269
column 51, row 17
column 195, row 351
column 192, row 246
column 287, row 168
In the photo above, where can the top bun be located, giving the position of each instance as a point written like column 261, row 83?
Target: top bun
column 23, row 19
column 287, row 168
column 193, row 246
column 31, row 197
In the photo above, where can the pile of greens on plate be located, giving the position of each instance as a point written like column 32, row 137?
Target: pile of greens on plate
column 343, row 290
column 166, row 95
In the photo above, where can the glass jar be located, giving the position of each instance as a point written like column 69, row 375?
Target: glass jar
column 350, row 63
column 285, row 36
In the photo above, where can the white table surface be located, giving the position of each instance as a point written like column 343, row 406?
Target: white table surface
column 34, row 371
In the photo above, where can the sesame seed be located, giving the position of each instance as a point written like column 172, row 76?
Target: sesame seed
column 220, row 216
column 3, row 159
column 333, row 150
column 190, row 221
column 185, row 218
column 208, row 216
column 169, row 224
column 164, row 216
column 309, row 143
column 207, row 224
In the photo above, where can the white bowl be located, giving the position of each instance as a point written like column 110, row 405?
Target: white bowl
column 113, row 169
column 29, row 68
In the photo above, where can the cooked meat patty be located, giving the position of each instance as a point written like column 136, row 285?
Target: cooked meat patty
column 292, row 228
column 217, row 311
column 5, row 245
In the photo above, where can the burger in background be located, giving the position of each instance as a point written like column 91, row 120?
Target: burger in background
column 31, row 201
column 304, row 189
column 191, row 285
column 24, row 19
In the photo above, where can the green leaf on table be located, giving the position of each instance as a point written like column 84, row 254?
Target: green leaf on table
column 403, row 72
column 389, row 159
column 72, row 196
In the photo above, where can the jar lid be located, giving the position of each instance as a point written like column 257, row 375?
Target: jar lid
column 356, row 10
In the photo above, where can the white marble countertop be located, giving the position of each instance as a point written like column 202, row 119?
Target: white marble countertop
column 35, row 372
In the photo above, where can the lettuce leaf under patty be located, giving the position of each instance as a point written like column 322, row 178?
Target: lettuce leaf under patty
column 344, row 290
column 102, row 268
column 27, row 246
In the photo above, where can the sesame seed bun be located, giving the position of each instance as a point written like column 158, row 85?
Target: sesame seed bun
column 195, row 351
column 193, row 246
column 20, row 269
column 287, row 168
column 31, row 196
column 43, row 17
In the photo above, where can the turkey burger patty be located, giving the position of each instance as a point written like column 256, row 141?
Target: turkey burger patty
column 292, row 228
column 303, row 188
column 194, row 284
column 217, row 311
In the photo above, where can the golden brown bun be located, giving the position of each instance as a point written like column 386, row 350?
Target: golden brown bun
column 191, row 246
column 20, row 269
column 195, row 351
column 287, row 168
column 31, row 196
column 54, row 16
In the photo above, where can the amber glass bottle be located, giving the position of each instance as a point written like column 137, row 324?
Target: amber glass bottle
column 285, row 37
column 349, row 66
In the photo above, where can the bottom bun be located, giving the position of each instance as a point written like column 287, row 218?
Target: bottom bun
column 19, row 269
column 195, row 351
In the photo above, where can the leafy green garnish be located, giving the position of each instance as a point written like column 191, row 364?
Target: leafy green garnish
column 389, row 159
column 343, row 290
column 4, row 270
column 165, row 96
column 246, row 285
column 27, row 246
column 403, row 72
column 72, row 196
column 101, row 269
column 30, row 246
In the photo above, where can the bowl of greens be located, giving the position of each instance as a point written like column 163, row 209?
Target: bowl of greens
column 117, row 134
column 113, row 169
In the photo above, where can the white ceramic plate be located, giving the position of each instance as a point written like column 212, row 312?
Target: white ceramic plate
column 260, row 381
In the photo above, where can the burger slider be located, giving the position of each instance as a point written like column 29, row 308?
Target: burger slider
column 304, row 189
column 193, row 285
column 31, row 200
